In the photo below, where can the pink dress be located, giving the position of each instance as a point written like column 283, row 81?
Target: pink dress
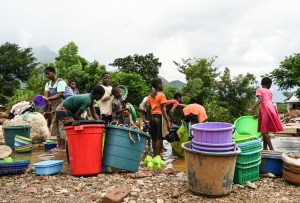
column 268, row 118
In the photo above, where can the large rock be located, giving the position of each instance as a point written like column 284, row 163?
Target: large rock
column 39, row 130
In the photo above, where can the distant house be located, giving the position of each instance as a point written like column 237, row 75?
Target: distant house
column 293, row 103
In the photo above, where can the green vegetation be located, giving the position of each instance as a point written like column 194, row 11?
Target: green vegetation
column 225, row 98
column 287, row 75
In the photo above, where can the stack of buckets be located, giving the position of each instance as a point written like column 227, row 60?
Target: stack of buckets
column 247, row 139
column 213, row 137
column 210, row 158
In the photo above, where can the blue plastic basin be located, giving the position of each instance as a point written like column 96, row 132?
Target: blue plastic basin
column 271, row 163
column 48, row 167
column 120, row 151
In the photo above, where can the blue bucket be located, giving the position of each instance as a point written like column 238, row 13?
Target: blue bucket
column 10, row 133
column 124, row 147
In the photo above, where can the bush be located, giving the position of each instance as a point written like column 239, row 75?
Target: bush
column 20, row 95
column 216, row 113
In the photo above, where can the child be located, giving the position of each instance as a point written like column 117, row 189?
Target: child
column 156, row 104
column 117, row 107
column 72, row 108
column 268, row 118
column 105, row 104
column 173, row 104
column 72, row 85
column 53, row 95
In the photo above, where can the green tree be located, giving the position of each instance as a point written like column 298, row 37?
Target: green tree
column 15, row 67
column 147, row 66
column 236, row 94
column 287, row 75
column 137, row 88
column 201, row 78
column 71, row 66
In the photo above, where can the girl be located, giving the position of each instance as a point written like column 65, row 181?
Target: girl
column 268, row 118
column 117, row 107
column 156, row 105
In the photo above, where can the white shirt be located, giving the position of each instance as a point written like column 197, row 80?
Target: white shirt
column 106, row 101
column 143, row 105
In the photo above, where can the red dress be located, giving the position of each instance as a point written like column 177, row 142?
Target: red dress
column 268, row 118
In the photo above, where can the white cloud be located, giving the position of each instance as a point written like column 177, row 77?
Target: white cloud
column 247, row 36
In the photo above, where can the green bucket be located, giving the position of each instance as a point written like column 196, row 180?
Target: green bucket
column 10, row 133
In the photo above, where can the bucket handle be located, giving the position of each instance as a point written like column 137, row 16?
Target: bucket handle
column 132, row 140
column 114, row 123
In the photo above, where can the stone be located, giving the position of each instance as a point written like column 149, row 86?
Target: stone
column 132, row 201
column 175, row 193
column 140, row 182
column 134, row 194
column 251, row 185
column 159, row 201
column 31, row 190
column 116, row 195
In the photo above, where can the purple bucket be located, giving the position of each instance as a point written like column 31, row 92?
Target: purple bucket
column 201, row 144
column 39, row 101
column 213, row 149
column 212, row 132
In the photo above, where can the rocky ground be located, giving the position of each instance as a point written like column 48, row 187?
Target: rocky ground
column 144, row 186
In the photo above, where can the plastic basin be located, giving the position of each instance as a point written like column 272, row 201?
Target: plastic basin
column 271, row 163
column 48, row 167
column 39, row 102
column 212, row 145
column 209, row 173
column 212, row 149
column 212, row 132
column 49, row 145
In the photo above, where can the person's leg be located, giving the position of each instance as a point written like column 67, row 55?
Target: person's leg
column 158, row 147
column 267, row 142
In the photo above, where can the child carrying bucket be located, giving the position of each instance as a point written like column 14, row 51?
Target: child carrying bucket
column 268, row 117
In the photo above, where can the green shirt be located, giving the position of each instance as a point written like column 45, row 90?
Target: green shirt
column 81, row 101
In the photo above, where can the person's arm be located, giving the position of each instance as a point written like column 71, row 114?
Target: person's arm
column 54, row 97
column 181, row 105
column 259, row 100
column 121, row 110
column 171, row 113
column 148, row 114
column 93, row 112
column 77, row 115
column 163, row 108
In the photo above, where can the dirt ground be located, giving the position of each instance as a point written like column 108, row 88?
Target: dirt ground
column 157, row 188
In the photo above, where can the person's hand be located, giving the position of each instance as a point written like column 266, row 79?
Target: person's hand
column 46, row 99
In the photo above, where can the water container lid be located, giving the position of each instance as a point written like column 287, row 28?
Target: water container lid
column 48, row 163
column 83, row 122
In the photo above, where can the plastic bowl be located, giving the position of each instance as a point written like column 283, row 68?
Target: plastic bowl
column 39, row 101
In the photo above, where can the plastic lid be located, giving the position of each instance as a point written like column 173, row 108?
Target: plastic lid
column 49, row 163
column 83, row 122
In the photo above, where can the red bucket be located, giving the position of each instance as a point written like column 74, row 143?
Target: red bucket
column 85, row 148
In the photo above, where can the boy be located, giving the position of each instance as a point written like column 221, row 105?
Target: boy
column 72, row 108
column 105, row 104
column 117, row 107
column 156, row 104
